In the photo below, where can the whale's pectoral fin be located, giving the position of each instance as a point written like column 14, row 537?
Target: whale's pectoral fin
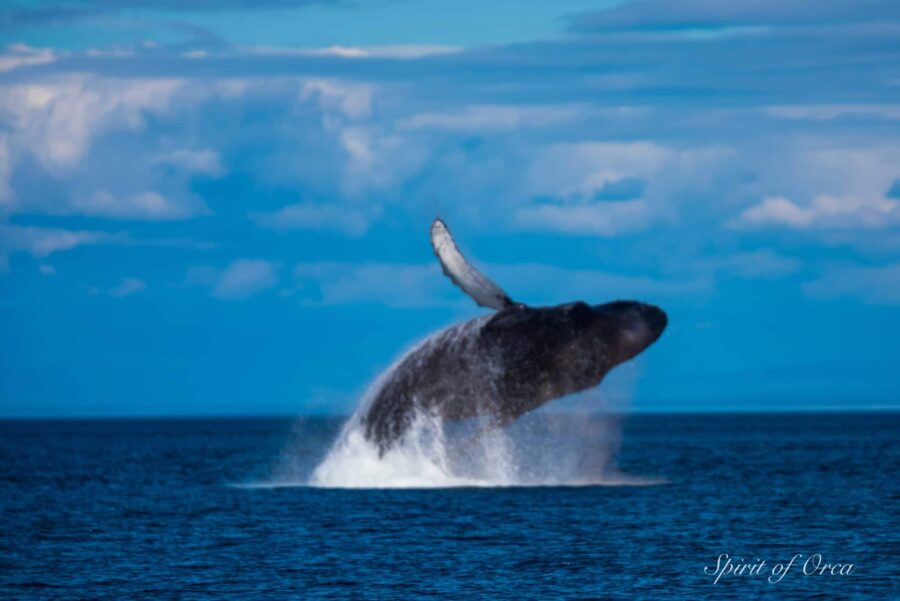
column 484, row 292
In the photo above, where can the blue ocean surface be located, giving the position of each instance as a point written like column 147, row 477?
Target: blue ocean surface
column 225, row 509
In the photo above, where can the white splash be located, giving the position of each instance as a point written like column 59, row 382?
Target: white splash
column 538, row 449
column 420, row 460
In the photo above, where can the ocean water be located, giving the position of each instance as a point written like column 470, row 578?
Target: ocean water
column 560, row 507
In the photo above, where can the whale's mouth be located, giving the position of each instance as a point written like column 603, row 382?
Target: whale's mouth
column 656, row 320
column 634, row 325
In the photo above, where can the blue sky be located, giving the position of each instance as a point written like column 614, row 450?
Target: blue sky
column 223, row 207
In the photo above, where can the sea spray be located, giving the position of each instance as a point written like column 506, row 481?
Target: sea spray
column 541, row 449
column 538, row 449
column 420, row 460
column 431, row 453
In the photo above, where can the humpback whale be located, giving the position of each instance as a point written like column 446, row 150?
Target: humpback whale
column 503, row 365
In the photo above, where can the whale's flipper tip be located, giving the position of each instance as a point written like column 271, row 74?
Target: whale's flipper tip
column 482, row 290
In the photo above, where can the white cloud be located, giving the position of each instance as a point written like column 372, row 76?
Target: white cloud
column 401, row 285
column 347, row 98
column 46, row 269
column 535, row 283
column 824, row 212
column 601, row 218
column 871, row 284
column 358, row 142
column 492, row 117
column 6, row 191
column 244, row 278
column 203, row 161
column 578, row 171
column 22, row 55
column 377, row 160
column 581, row 169
column 395, row 51
column 43, row 241
column 40, row 242
column 822, row 187
column 866, row 171
column 759, row 264
column 316, row 216
column 145, row 206
column 57, row 119
column 60, row 124
column 375, row 157
column 392, row 51
column 394, row 285
column 776, row 209
column 127, row 287
column 568, row 184
column 830, row 112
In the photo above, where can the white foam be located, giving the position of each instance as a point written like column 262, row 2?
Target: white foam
column 542, row 450
column 420, row 460
column 536, row 450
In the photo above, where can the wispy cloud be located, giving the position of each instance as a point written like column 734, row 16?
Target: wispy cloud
column 22, row 55
column 599, row 218
column 536, row 283
column 347, row 98
column 655, row 15
column 125, row 287
column 144, row 205
column 393, row 51
column 872, row 284
column 480, row 118
column 824, row 212
column 825, row 187
column 204, row 161
column 6, row 191
column 40, row 242
column 759, row 264
column 244, row 278
column 830, row 112
column 584, row 169
column 610, row 188
column 56, row 120
column 400, row 285
column 348, row 220
column 390, row 284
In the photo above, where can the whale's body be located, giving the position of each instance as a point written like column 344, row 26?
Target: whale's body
column 508, row 363
column 505, row 364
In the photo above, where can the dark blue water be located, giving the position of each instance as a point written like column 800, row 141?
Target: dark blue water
column 144, row 510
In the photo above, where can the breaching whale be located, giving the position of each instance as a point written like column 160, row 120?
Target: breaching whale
column 505, row 364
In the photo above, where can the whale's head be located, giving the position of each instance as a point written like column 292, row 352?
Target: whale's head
column 576, row 343
column 603, row 336
column 624, row 328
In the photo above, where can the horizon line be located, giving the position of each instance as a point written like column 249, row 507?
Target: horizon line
column 280, row 416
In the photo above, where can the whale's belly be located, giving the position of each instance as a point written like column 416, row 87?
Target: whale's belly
column 460, row 373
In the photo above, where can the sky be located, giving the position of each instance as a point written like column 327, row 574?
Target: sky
column 222, row 208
